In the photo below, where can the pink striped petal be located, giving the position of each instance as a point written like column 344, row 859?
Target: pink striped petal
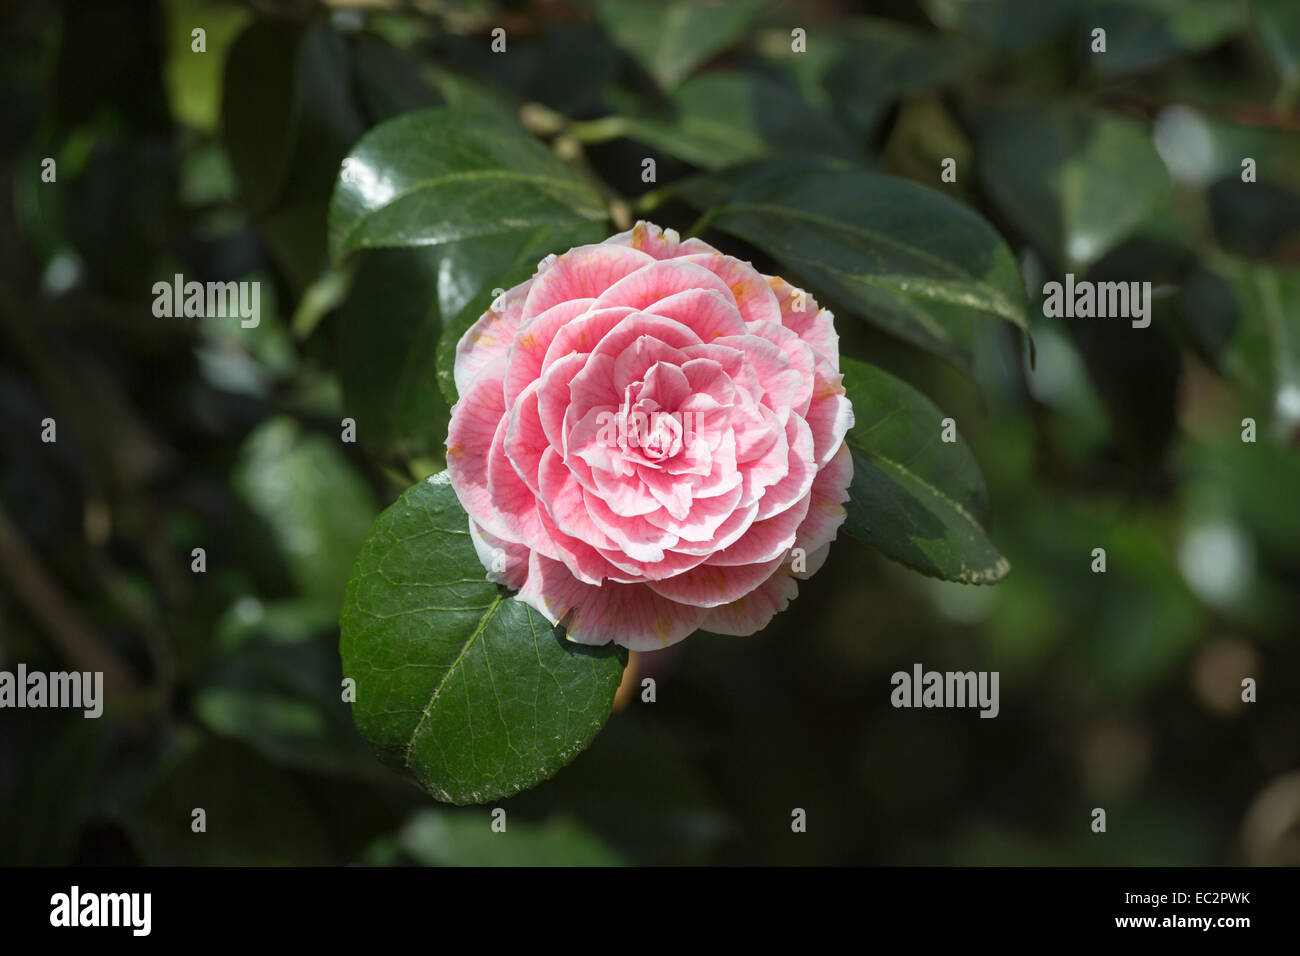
column 755, row 610
column 488, row 338
column 583, row 333
column 658, row 281
column 581, row 273
column 710, row 585
column 813, row 325
column 706, row 312
column 631, row 614
column 749, row 288
column 533, row 338
column 506, row 562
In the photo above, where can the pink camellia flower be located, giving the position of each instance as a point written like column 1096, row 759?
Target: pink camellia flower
column 650, row 440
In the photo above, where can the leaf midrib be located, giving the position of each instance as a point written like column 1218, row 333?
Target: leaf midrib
column 451, row 669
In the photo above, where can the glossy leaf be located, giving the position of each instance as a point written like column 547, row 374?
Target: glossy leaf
column 439, row 177
column 468, row 690
column 915, row 498
column 904, row 257
column 902, row 424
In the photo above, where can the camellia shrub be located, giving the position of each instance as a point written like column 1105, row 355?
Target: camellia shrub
column 634, row 416
column 647, row 436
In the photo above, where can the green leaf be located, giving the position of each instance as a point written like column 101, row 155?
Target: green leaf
column 914, row 497
column 728, row 117
column 315, row 504
column 469, row 691
column 1075, row 183
column 669, row 40
column 900, row 423
column 906, row 258
column 389, row 329
column 439, row 177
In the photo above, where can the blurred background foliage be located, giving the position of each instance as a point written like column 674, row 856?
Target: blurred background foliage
column 1119, row 690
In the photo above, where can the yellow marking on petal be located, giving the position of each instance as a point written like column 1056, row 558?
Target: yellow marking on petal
column 827, row 389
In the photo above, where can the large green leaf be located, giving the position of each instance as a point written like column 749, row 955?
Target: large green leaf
column 898, row 422
column 914, row 497
column 671, row 39
column 468, row 690
column 904, row 257
column 442, row 176
column 1075, row 183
